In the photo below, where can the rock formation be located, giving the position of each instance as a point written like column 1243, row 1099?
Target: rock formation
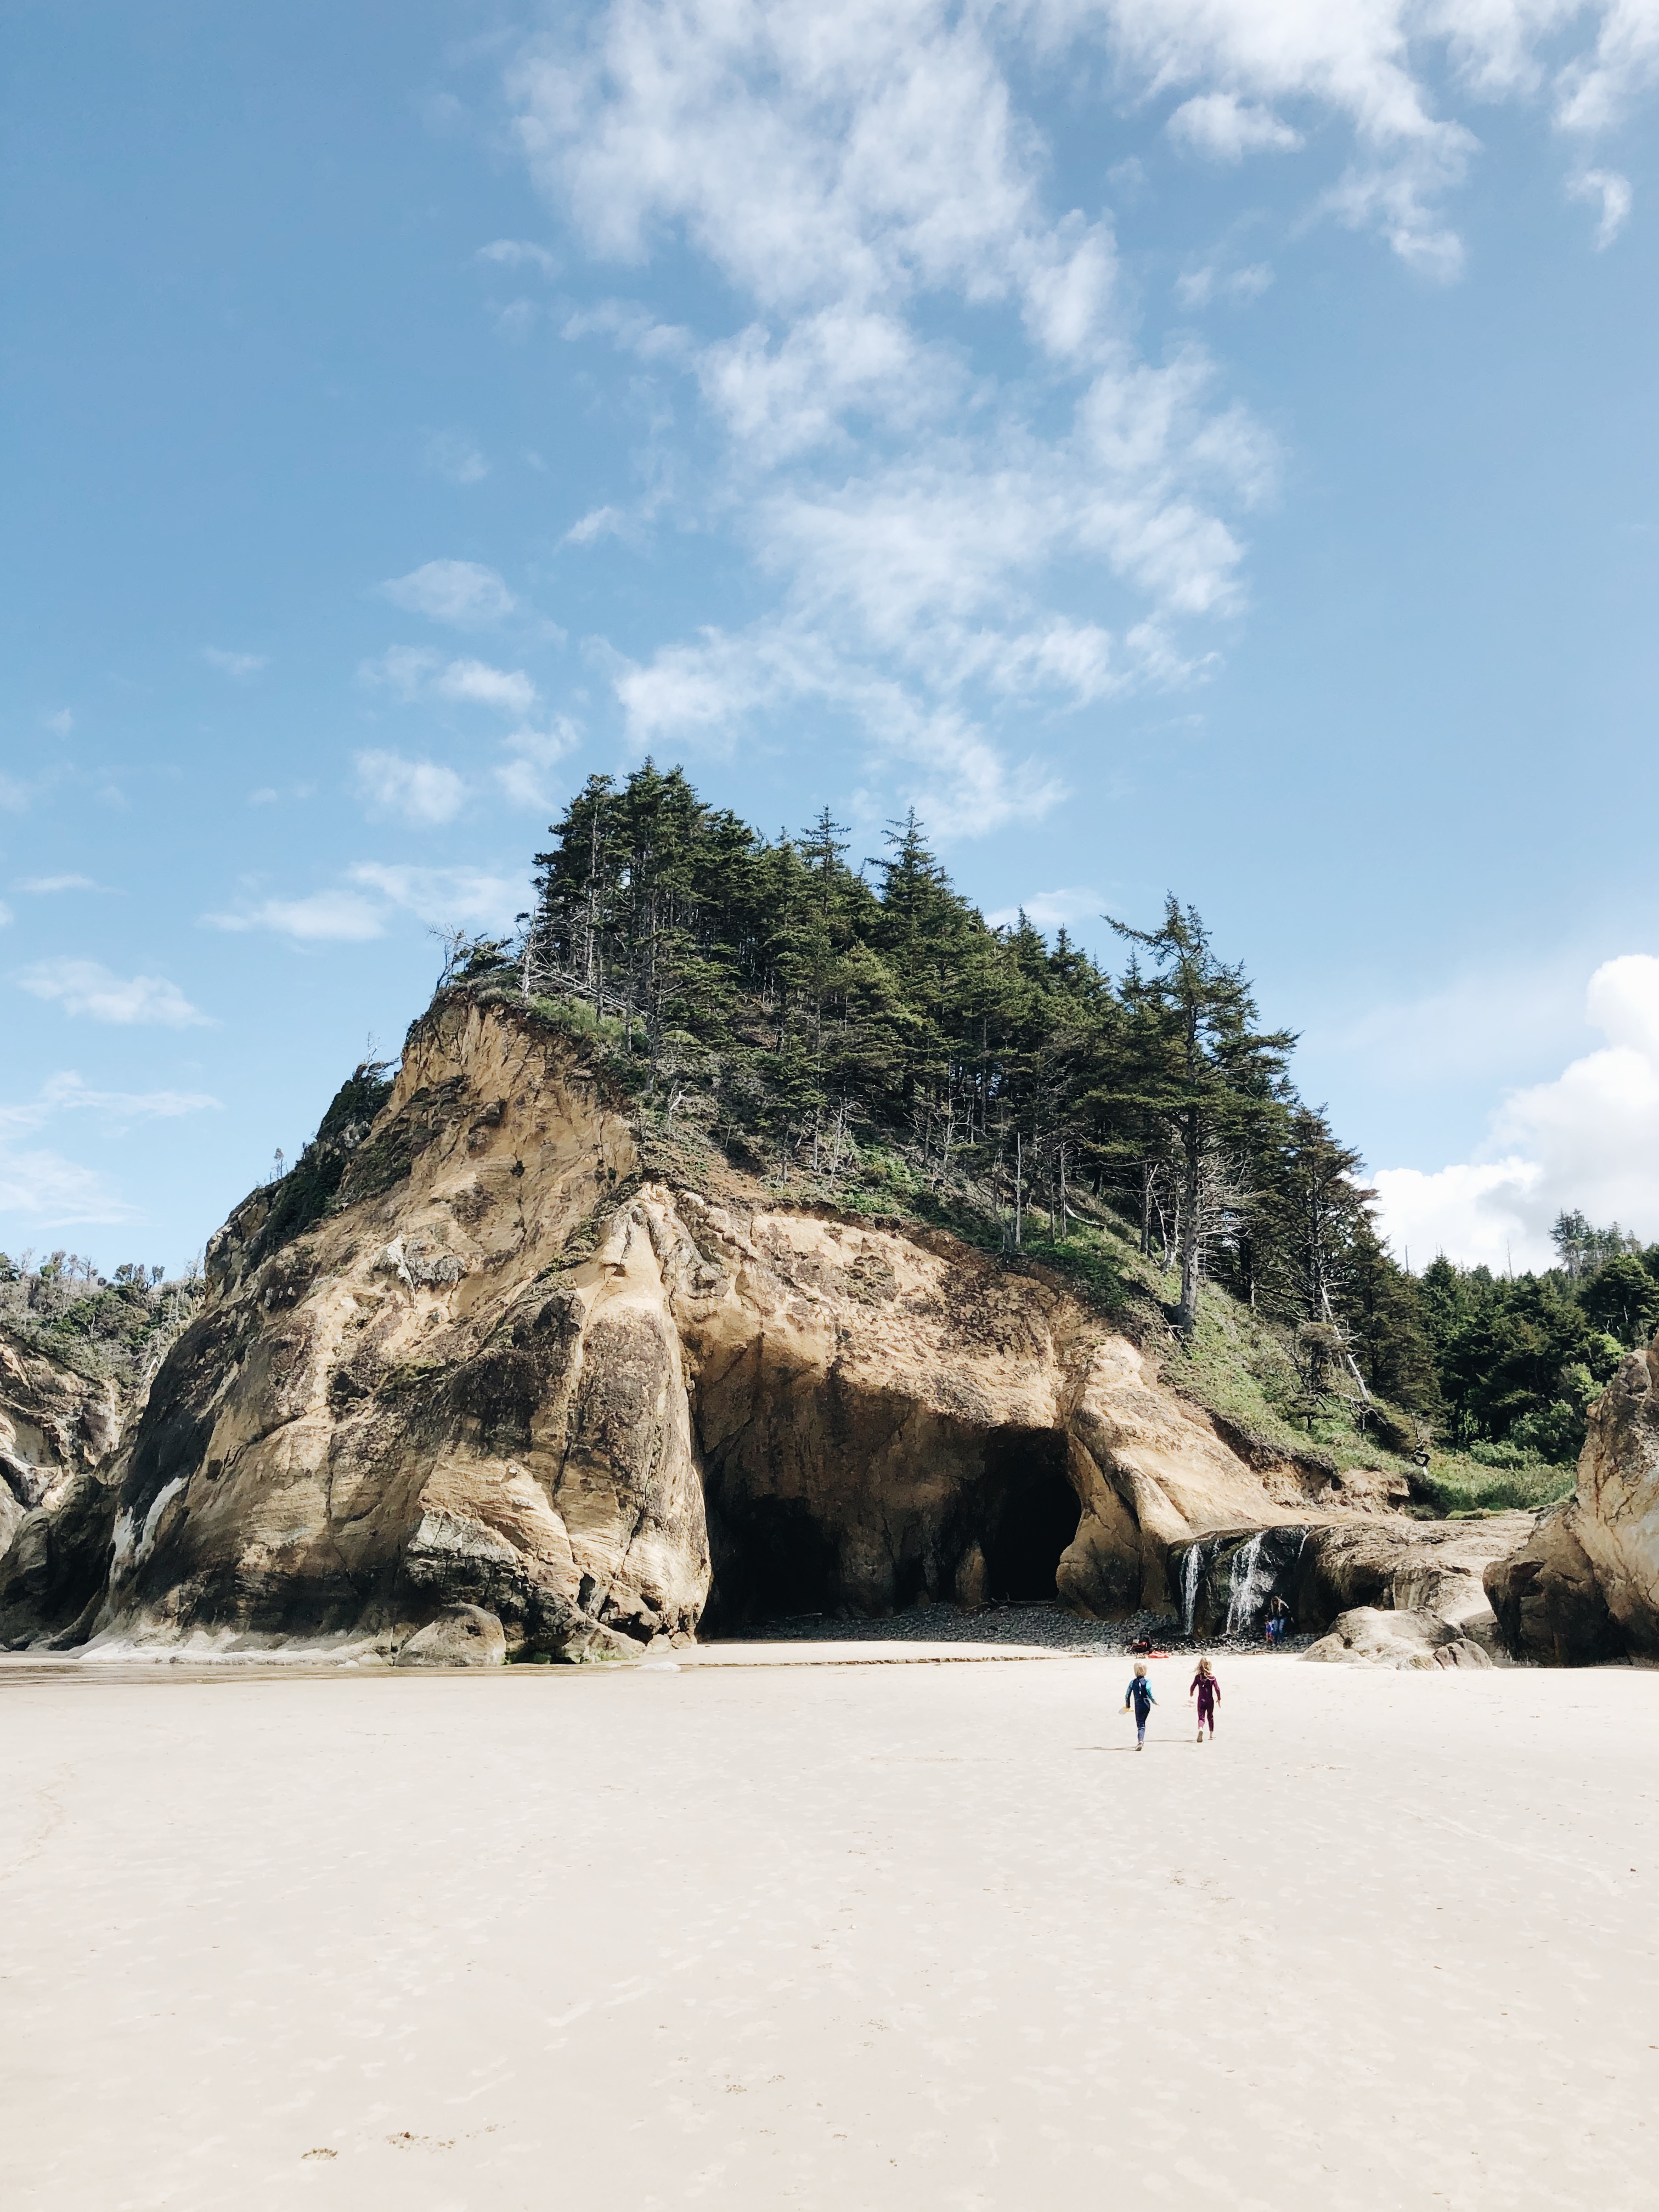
column 476, row 1356
column 59, row 1434
column 1374, row 1637
column 1584, row 1587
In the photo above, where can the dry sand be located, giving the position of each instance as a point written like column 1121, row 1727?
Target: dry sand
column 850, row 1936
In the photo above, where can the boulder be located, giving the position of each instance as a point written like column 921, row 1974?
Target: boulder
column 461, row 1636
column 1368, row 1635
column 1547, row 1599
column 1407, row 1566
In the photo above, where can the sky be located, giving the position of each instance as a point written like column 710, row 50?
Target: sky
column 1204, row 446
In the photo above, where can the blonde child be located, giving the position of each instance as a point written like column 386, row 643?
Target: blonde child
column 1207, row 1691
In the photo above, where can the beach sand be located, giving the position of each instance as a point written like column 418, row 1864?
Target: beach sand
column 850, row 1936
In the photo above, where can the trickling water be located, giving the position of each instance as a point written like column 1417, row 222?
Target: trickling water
column 1190, row 1566
column 1252, row 1575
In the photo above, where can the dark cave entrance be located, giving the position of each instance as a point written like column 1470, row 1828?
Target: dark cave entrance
column 769, row 1557
column 1029, row 1515
column 773, row 1558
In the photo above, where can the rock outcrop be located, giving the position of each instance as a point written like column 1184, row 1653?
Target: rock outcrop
column 1583, row 1588
column 477, row 1357
column 1371, row 1636
column 60, row 1433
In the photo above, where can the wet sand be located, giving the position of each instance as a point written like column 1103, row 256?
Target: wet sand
column 844, row 1936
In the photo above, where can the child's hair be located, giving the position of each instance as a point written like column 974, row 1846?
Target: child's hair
column 1203, row 1666
column 1140, row 1666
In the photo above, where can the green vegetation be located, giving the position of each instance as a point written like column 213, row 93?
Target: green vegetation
column 119, row 1326
column 859, row 1034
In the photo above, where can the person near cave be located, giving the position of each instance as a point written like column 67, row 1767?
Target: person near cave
column 1207, row 1691
column 1279, row 1621
column 1138, row 1696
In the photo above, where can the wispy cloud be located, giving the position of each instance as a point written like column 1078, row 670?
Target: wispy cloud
column 412, row 672
column 455, row 457
column 474, row 897
column 419, row 791
column 372, row 895
column 598, row 522
column 1606, row 190
column 463, row 593
column 85, row 987
column 1226, row 128
column 61, row 723
column 241, row 667
column 519, row 253
column 319, row 918
column 1051, row 910
column 44, row 1187
column 526, row 777
column 43, row 886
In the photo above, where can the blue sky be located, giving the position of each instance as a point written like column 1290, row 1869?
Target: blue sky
column 1208, row 446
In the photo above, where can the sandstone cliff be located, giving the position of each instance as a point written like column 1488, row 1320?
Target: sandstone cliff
column 1585, row 1585
column 481, row 1357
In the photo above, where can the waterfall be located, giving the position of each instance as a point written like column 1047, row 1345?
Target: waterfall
column 1254, row 1573
column 1191, row 1564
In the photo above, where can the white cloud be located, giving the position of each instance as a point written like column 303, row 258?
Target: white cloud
column 1051, row 910
column 1197, row 287
column 1587, row 1140
column 84, row 986
column 241, row 667
column 526, row 775
column 1226, row 128
column 507, row 689
column 447, row 897
column 61, row 723
column 519, row 253
column 600, row 522
column 412, row 671
column 463, row 593
column 43, row 886
column 1606, row 190
column 67, row 1091
column 329, row 916
column 44, row 1187
column 373, row 893
column 419, row 791
column 976, row 532
column 452, row 455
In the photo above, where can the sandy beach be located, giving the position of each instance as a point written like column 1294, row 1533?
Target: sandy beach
column 850, row 1936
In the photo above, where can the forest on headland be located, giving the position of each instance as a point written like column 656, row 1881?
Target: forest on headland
column 853, row 1026
column 851, row 1030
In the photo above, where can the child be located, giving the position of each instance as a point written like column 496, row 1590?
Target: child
column 1208, row 1691
column 1140, row 1695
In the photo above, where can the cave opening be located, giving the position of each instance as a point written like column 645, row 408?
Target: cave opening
column 1029, row 1513
column 1007, row 1501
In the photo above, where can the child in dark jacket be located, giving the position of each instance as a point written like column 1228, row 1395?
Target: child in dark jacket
column 1139, row 1695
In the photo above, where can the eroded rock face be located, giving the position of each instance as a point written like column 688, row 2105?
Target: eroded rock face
column 461, row 1635
column 59, row 1435
column 1616, row 1517
column 1547, row 1601
column 501, row 1370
